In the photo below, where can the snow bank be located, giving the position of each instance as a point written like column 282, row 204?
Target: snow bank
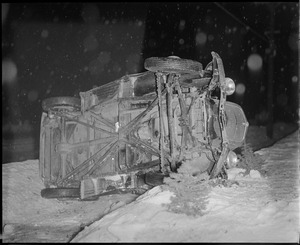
column 255, row 209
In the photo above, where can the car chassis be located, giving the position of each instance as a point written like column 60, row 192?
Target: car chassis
column 151, row 121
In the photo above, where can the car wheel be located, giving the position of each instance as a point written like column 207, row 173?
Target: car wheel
column 61, row 103
column 60, row 193
column 173, row 65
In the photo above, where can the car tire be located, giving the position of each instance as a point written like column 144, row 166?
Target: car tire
column 173, row 65
column 60, row 193
column 57, row 103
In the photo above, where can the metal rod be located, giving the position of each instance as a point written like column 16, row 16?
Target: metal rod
column 171, row 119
column 130, row 126
column 63, row 155
column 84, row 123
column 85, row 164
column 104, row 157
column 69, row 147
column 161, row 137
column 186, row 131
column 242, row 23
column 103, row 120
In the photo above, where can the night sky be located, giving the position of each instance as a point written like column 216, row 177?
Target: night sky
column 60, row 49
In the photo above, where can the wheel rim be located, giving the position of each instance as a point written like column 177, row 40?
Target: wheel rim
column 173, row 65
column 61, row 103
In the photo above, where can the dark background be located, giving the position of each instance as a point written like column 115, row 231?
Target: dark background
column 60, row 49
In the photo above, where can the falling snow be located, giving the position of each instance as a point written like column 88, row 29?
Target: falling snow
column 60, row 51
column 45, row 33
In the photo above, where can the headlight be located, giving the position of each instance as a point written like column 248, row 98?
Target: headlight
column 232, row 159
column 229, row 86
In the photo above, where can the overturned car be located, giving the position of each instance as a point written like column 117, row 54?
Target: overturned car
column 174, row 113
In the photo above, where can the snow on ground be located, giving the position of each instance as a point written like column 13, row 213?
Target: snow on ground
column 257, row 209
column 27, row 217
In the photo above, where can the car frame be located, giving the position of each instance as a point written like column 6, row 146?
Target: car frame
column 112, row 135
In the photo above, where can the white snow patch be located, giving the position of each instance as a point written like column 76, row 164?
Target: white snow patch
column 160, row 198
column 254, row 174
column 233, row 173
column 156, row 196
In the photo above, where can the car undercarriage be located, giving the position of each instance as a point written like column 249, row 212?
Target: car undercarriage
column 175, row 113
